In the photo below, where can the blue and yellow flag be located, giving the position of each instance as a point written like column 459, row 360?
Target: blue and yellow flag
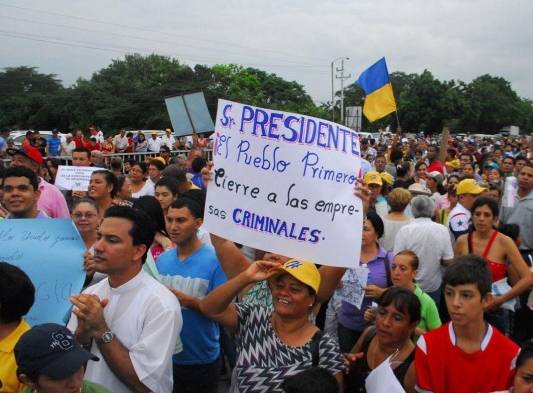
column 379, row 100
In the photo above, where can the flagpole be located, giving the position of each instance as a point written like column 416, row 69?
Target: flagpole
column 397, row 119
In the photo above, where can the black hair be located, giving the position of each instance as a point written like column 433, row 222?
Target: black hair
column 491, row 203
column 511, row 230
column 509, row 158
column 403, row 169
column 142, row 230
column 157, row 163
column 20, row 171
column 456, row 176
column 140, row 164
column 88, row 200
column 419, row 164
column 165, row 148
column 152, row 208
column 168, row 182
column 197, row 195
column 198, row 164
column 377, row 222
column 396, row 155
column 110, row 178
column 17, row 293
column 469, row 269
column 194, row 207
column 526, row 353
column 82, row 150
column 181, row 176
column 403, row 300
column 311, row 380
column 520, row 158
column 116, row 163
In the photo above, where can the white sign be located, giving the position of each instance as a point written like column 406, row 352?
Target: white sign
column 382, row 378
column 353, row 286
column 75, row 178
column 284, row 183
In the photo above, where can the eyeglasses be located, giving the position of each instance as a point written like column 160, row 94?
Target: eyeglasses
column 87, row 216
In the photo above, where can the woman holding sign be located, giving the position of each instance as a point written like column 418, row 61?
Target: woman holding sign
column 377, row 261
column 274, row 344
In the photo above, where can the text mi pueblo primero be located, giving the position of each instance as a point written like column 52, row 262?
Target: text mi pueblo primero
column 40, row 235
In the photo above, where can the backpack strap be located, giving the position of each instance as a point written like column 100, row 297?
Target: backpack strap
column 315, row 344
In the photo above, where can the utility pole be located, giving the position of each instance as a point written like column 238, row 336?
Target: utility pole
column 342, row 77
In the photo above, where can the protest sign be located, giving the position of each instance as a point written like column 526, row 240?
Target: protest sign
column 382, row 378
column 50, row 251
column 75, row 178
column 353, row 285
column 284, row 183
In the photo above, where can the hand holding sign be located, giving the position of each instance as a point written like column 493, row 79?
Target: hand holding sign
column 286, row 181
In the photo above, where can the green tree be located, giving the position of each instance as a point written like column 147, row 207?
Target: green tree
column 24, row 92
column 494, row 104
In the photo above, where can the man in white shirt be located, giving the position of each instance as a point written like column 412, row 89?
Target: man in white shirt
column 131, row 321
column 429, row 241
column 120, row 141
column 168, row 139
column 154, row 143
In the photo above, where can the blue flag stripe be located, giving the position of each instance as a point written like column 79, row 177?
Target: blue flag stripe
column 374, row 77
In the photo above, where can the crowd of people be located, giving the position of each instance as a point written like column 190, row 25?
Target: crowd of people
column 62, row 145
column 447, row 240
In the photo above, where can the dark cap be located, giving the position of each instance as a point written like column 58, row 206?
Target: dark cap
column 29, row 152
column 50, row 349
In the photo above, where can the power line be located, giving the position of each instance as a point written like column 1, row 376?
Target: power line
column 122, row 50
column 142, row 38
column 137, row 28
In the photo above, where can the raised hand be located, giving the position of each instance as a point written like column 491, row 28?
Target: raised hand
column 261, row 270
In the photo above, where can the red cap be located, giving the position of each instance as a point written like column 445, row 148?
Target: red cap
column 28, row 151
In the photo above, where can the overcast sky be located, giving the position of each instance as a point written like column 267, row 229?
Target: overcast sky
column 296, row 39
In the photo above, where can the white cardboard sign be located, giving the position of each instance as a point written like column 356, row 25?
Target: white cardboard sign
column 284, row 183
column 75, row 178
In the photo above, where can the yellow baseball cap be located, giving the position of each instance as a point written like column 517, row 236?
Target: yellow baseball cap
column 454, row 164
column 304, row 271
column 373, row 177
column 387, row 178
column 161, row 160
column 469, row 186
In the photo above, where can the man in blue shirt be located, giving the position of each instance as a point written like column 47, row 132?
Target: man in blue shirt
column 192, row 271
column 54, row 144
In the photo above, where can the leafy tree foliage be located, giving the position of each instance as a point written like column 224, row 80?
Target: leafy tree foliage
column 130, row 93
column 424, row 103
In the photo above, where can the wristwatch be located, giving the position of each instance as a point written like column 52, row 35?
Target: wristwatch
column 107, row 337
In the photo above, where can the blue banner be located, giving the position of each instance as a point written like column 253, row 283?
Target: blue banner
column 50, row 251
